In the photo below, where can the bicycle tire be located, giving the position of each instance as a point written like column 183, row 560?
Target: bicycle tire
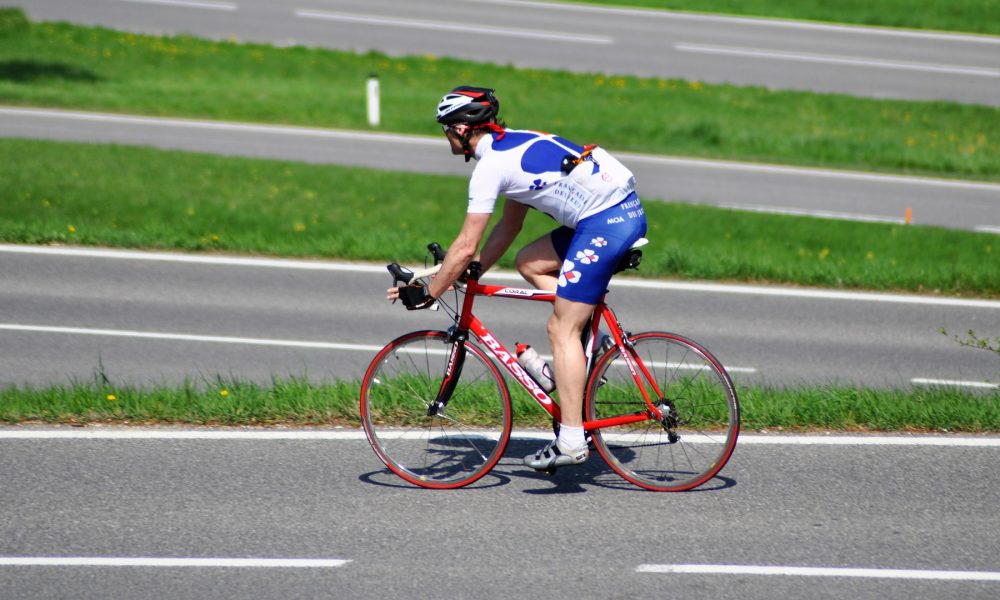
column 695, row 385
column 452, row 448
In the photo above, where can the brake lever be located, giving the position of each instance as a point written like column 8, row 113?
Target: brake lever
column 437, row 252
column 399, row 275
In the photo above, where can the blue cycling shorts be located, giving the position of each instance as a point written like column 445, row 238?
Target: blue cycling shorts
column 591, row 252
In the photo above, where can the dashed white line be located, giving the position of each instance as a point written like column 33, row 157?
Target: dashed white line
column 855, row 61
column 821, row 572
column 645, row 13
column 954, row 383
column 202, row 563
column 189, row 4
column 476, row 29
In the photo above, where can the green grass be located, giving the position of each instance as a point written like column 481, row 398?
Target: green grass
column 122, row 196
column 297, row 402
column 976, row 16
column 61, row 65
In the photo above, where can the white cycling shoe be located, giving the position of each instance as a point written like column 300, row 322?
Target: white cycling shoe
column 552, row 456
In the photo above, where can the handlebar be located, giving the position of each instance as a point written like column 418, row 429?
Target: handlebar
column 403, row 275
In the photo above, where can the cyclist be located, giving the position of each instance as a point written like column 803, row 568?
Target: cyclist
column 584, row 189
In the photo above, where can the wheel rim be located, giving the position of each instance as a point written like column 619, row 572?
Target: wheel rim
column 452, row 448
column 696, row 392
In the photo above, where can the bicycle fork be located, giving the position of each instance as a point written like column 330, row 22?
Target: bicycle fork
column 452, row 373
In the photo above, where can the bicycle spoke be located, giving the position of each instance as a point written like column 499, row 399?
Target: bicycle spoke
column 701, row 414
column 461, row 440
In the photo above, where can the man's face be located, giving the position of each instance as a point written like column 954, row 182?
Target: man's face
column 454, row 134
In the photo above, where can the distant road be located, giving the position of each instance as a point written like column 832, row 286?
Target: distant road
column 816, row 192
column 863, row 61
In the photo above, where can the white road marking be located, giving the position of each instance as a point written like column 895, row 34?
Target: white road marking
column 954, row 383
column 470, row 28
column 870, row 440
column 724, row 165
column 618, row 282
column 764, row 22
column 225, row 563
column 855, row 61
column 988, row 229
column 820, row 214
column 821, row 572
column 116, row 433
column 437, row 141
column 184, row 337
column 188, row 337
column 420, row 140
column 189, row 4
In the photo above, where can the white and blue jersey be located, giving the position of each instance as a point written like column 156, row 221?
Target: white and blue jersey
column 525, row 166
column 596, row 204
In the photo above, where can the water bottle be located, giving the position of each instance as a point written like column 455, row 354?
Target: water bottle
column 536, row 366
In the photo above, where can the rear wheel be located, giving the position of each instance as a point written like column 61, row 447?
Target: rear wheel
column 701, row 415
column 428, row 445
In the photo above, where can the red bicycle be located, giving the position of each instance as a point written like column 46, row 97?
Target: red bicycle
column 660, row 409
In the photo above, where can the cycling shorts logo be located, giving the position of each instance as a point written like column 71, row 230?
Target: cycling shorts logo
column 587, row 256
column 599, row 242
column 568, row 275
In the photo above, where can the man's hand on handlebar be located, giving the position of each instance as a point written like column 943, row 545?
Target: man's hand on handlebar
column 414, row 296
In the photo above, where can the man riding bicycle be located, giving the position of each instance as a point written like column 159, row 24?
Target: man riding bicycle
column 586, row 190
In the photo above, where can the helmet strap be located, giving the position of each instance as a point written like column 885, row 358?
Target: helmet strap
column 491, row 126
column 466, row 146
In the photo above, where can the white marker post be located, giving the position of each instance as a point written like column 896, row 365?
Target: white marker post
column 373, row 101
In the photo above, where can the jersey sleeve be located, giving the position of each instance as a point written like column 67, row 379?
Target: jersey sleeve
column 485, row 186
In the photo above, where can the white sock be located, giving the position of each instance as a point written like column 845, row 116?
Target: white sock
column 571, row 438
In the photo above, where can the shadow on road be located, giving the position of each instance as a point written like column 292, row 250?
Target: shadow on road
column 568, row 480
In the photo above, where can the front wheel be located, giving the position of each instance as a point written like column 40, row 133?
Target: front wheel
column 427, row 444
column 700, row 413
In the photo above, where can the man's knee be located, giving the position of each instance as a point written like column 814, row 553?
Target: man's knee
column 523, row 262
column 567, row 326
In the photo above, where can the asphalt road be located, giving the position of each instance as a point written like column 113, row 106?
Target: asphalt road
column 777, row 54
column 771, row 188
column 150, row 318
column 582, row 533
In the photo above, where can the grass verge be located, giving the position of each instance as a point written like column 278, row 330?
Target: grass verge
column 976, row 16
column 107, row 195
column 297, row 402
column 63, row 65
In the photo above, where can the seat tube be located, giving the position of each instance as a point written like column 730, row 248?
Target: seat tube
column 640, row 373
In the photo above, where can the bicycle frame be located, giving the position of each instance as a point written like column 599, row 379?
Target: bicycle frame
column 467, row 321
